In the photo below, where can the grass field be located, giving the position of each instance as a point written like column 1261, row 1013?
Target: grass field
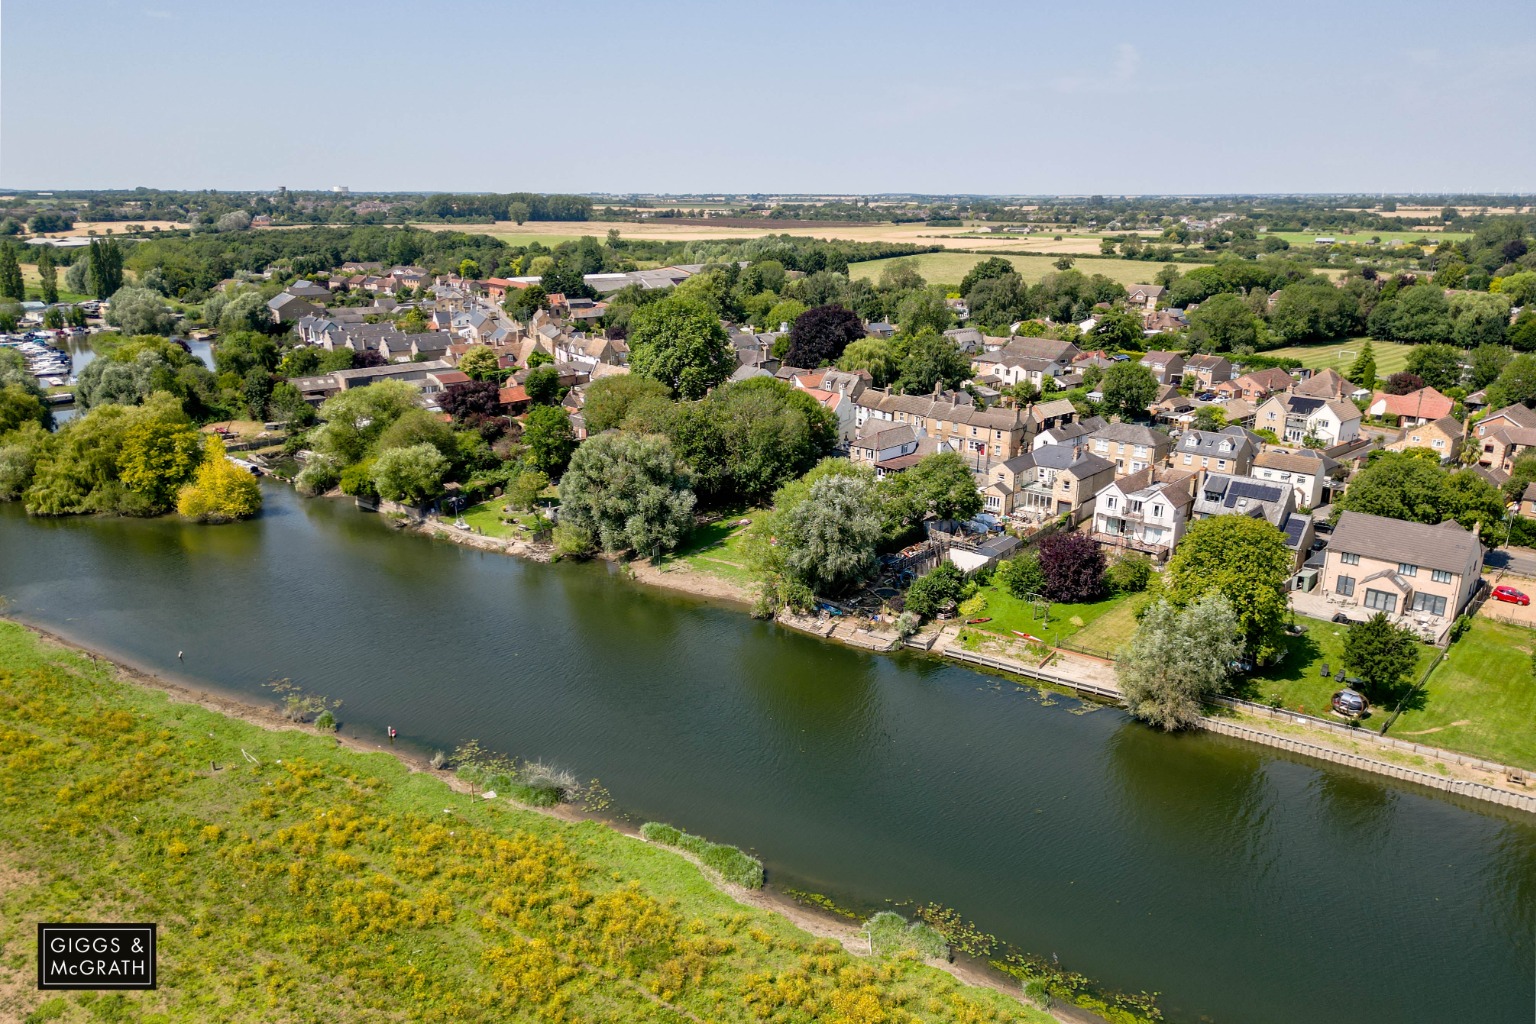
column 1298, row 680
column 719, row 548
column 1079, row 623
column 296, row 879
column 1391, row 356
column 488, row 515
column 1482, row 699
column 34, row 283
column 1305, row 239
column 951, row 267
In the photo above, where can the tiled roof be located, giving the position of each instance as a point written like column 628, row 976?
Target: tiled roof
column 1447, row 546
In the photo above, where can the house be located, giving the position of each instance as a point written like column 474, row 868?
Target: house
column 1049, row 415
column 1063, row 480
column 1163, row 321
column 1131, row 447
column 1147, row 511
column 1225, row 494
column 880, row 330
column 1167, row 367
column 880, row 442
column 1415, row 574
column 835, row 390
column 287, row 308
column 1502, row 436
column 1306, row 471
column 1297, row 420
column 967, row 339
column 1207, row 371
column 1256, row 386
column 1528, row 501
column 308, row 290
column 1024, row 358
column 1067, row 433
column 1442, row 436
column 1410, row 410
column 411, row 373
column 1144, row 295
column 951, row 416
column 1325, row 384
column 1219, row 451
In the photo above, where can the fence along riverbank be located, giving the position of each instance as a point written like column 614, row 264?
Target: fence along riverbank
column 1253, row 734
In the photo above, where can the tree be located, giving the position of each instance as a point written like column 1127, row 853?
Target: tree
column 827, row 542
column 1021, row 575
column 1245, row 559
column 1209, row 417
column 48, row 274
column 935, row 590
column 481, row 363
column 524, row 491
column 287, row 405
column 630, row 491
column 517, row 212
column 819, row 336
column 139, row 311
column 998, row 302
column 411, row 475
column 931, row 360
column 1522, row 334
column 1380, row 654
column 522, row 303
column 104, row 267
column 471, row 402
column 1178, row 660
column 1223, row 323
column 220, row 491
column 1363, row 370
column 550, row 440
column 940, row 484
column 543, row 385
column 1488, row 361
column 1119, row 328
column 243, row 351
column 1438, row 365
column 11, row 284
column 234, row 220
column 1064, row 263
column 1517, row 382
column 354, row 418
column 608, row 399
column 1403, row 383
column 877, row 356
column 1480, row 319
column 1073, row 566
column 1129, row 389
column 680, row 343
column 987, row 270
column 1471, row 500
column 1406, row 485
column 925, row 310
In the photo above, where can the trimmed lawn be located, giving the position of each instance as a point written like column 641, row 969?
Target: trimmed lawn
column 1391, row 356
column 1298, row 680
column 1482, row 699
column 1067, row 621
column 719, row 548
column 488, row 515
column 951, row 267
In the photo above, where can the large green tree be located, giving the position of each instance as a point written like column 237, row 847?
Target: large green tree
column 1223, row 323
column 1380, row 654
column 48, row 274
column 1363, row 370
column 1516, row 382
column 550, row 440
column 1129, row 389
column 11, row 284
column 825, row 535
column 1438, row 365
column 1245, row 559
column 411, row 475
column 608, row 399
column 1178, row 659
column 628, row 491
column 1413, row 486
column 680, row 342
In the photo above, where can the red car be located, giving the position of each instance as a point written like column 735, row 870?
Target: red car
column 1511, row 595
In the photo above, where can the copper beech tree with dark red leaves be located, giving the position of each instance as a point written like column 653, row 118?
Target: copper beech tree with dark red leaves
column 819, row 335
column 1073, row 566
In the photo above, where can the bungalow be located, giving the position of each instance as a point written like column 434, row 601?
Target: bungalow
column 1297, row 420
column 1147, row 511
column 1131, row 447
column 1167, row 367
column 1411, row 410
column 1442, row 436
column 1415, row 574
column 880, row 330
column 411, row 373
column 1306, row 471
column 1208, row 371
column 1224, row 451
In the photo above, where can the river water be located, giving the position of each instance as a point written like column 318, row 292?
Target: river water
column 1243, row 885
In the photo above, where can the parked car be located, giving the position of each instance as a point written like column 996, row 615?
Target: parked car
column 1510, row 595
column 1350, row 703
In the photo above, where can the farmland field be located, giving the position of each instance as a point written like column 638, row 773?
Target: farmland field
column 1391, row 356
column 951, row 267
column 1304, row 239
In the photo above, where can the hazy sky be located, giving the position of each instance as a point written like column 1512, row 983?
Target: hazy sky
column 828, row 96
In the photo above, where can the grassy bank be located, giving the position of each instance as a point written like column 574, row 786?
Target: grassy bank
column 295, row 879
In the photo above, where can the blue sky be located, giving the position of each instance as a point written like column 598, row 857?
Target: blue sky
column 1022, row 97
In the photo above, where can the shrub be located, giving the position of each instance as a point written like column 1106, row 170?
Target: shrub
column 889, row 932
column 730, row 863
column 907, row 623
column 935, row 590
column 326, row 722
column 1130, row 573
column 574, row 542
column 1021, row 575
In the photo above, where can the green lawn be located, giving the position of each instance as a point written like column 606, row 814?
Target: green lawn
column 951, row 267
column 1482, row 699
column 1102, row 625
column 1391, row 356
column 1304, row 239
column 1297, row 678
column 720, row 548
column 488, row 515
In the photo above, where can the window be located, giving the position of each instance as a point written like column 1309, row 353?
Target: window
column 1344, row 586
column 1439, row 442
column 1429, row 603
column 1112, row 501
column 1347, row 558
column 1381, row 601
column 1101, row 446
column 1189, row 460
column 1407, row 569
column 1440, row 576
column 1157, row 511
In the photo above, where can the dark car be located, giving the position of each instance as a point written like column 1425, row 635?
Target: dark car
column 1341, row 618
column 1350, row 703
column 1510, row 595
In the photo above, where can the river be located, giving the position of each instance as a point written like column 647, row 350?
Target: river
column 1243, row 885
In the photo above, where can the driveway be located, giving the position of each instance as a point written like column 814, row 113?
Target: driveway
column 1505, row 612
